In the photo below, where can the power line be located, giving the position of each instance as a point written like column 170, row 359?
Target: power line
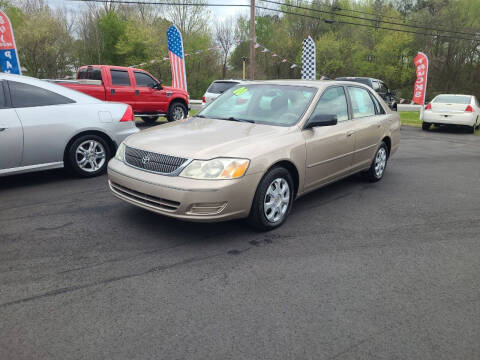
column 362, row 18
column 328, row 21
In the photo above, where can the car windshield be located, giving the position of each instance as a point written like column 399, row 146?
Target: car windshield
column 219, row 87
column 280, row 105
column 452, row 99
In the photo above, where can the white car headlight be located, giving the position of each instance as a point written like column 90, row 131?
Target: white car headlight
column 120, row 155
column 220, row 168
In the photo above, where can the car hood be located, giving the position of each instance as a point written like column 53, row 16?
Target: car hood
column 202, row 138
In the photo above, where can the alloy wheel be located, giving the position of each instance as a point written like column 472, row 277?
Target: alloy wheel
column 90, row 156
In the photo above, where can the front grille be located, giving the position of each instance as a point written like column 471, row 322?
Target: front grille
column 158, row 163
column 153, row 201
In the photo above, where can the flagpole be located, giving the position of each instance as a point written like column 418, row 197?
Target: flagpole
column 252, row 39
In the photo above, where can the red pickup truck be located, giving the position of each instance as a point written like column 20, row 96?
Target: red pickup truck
column 147, row 96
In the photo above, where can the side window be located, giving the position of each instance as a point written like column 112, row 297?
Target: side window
column 333, row 101
column 120, row 77
column 143, row 79
column 2, row 96
column 25, row 95
column 378, row 106
column 362, row 104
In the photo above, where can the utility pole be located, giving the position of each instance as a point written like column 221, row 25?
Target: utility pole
column 244, row 60
column 252, row 39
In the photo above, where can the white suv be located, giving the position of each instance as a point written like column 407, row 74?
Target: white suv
column 217, row 88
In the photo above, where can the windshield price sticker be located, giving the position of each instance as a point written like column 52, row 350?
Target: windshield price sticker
column 240, row 91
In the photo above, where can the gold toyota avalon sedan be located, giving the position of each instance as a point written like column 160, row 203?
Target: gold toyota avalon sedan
column 255, row 149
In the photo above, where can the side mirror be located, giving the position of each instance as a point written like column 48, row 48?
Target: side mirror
column 158, row 86
column 322, row 120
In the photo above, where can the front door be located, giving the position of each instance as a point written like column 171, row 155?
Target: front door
column 329, row 149
column 11, row 135
column 148, row 99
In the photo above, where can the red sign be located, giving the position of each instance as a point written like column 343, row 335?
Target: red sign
column 6, row 37
column 421, row 65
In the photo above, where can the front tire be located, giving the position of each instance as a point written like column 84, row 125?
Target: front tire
column 273, row 200
column 177, row 111
column 426, row 126
column 379, row 164
column 88, row 156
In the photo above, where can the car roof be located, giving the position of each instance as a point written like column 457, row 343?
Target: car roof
column 62, row 90
column 309, row 83
column 453, row 95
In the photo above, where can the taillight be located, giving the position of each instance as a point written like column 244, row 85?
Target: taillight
column 428, row 107
column 469, row 108
column 203, row 99
column 128, row 116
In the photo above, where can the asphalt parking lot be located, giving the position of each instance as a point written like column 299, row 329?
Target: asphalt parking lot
column 359, row 271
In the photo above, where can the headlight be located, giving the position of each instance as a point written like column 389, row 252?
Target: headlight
column 120, row 155
column 221, row 168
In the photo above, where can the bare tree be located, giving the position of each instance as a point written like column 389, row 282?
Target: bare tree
column 189, row 18
column 226, row 36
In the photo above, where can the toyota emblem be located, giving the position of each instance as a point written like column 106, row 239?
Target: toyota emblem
column 145, row 160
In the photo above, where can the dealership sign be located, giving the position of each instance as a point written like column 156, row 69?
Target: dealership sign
column 8, row 51
column 421, row 67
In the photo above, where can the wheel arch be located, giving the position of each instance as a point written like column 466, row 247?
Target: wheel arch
column 388, row 142
column 111, row 144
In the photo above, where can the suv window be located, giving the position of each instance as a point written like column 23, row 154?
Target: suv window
column 25, row 95
column 143, row 79
column 219, row 87
column 120, row 77
column 362, row 103
column 2, row 96
column 333, row 101
column 89, row 74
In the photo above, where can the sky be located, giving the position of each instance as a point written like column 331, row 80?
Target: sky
column 218, row 11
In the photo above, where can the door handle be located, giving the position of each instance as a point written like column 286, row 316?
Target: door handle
column 137, row 92
column 3, row 127
column 350, row 133
column 112, row 91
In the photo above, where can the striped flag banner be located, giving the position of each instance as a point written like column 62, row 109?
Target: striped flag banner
column 176, row 55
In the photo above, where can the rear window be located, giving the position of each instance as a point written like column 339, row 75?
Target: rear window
column 120, row 77
column 452, row 99
column 89, row 74
column 219, row 87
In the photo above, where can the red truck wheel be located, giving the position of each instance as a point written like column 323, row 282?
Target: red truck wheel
column 177, row 111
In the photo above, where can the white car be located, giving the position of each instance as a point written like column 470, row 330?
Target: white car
column 47, row 126
column 449, row 109
column 217, row 88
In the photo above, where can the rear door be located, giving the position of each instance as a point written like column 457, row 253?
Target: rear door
column 148, row 99
column 329, row 148
column 11, row 132
column 44, row 116
column 368, row 121
column 120, row 88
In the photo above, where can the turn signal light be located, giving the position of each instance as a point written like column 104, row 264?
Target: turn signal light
column 469, row 108
column 203, row 99
column 428, row 107
column 128, row 116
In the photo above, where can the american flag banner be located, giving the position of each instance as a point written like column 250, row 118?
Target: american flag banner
column 177, row 58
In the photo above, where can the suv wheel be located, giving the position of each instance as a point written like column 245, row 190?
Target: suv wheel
column 426, row 126
column 273, row 200
column 88, row 156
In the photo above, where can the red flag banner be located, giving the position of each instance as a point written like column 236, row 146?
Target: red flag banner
column 421, row 67
column 9, row 62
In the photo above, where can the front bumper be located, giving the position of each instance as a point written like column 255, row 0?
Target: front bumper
column 182, row 198
column 468, row 119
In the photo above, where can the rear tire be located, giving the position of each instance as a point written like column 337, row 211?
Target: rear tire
column 177, row 111
column 88, row 156
column 379, row 164
column 426, row 126
column 150, row 120
column 273, row 200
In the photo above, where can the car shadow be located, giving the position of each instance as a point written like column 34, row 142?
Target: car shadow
column 35, row 178
column 451, row 129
